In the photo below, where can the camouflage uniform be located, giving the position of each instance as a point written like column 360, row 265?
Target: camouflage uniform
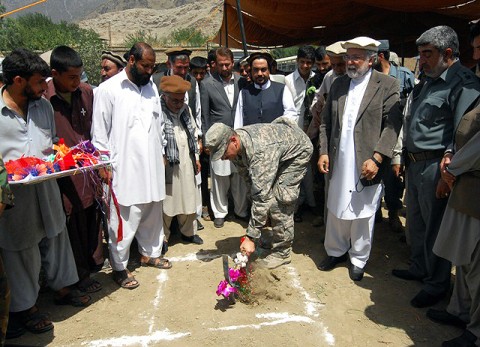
column 273, row 159
column 6, row 197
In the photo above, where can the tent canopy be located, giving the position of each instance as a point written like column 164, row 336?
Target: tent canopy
column 270, row 23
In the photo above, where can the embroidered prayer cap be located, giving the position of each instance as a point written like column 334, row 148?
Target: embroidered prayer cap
column 243, row 60
column 177, row 51
column 261, row 54
column 384, row 45
column 174, row 84
column 362, row 42
column 336, row 49
column 116, row 58
column 217, row 138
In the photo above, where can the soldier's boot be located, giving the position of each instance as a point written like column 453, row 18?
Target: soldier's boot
column 275, row 259
column 394, row 221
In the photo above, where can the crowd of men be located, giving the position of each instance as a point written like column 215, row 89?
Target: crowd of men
column 336, row 140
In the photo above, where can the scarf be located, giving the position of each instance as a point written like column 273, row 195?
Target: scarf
column 171, row 149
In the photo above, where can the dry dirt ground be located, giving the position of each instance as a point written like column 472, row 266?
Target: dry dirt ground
column 301, row 306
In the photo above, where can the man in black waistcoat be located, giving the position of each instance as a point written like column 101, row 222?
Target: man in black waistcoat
column 263, row 100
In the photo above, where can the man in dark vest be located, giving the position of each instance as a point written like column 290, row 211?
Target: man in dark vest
column 263, row 100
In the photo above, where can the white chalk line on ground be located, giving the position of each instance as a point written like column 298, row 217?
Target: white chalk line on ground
column 195, row 256
column 275, row 319
column 144, row 341
column 311, row 305
column 162, row 278
column 311, row 308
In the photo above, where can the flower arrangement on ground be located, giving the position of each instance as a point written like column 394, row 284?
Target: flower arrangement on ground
column 237, row 282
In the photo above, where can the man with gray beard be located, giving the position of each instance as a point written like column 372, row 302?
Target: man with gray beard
column 448, row 91
column 360, row 124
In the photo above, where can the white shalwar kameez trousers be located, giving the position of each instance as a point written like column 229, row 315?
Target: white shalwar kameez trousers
column 128, row 121
column 351, row 207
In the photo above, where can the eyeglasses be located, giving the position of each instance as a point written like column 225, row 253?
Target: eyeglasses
column 354, row 57
column 176, row 101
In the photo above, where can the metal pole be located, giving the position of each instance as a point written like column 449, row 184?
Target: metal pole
column 242, row 28
column 226, row 23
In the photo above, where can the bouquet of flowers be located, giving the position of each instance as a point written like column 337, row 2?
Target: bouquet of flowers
column 82, row 155
column 237, row 280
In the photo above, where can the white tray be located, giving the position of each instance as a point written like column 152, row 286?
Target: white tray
column 55, row 175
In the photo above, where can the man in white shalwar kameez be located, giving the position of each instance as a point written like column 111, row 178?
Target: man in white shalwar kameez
column 127, row 121
column 360, row 124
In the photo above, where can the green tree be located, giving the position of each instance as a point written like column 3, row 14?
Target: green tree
column 38, row 33
column 186, row 37
column 141, row 36
column 278, row 53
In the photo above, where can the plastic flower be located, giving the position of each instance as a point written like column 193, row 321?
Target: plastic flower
column 225, row 289
column 241, row 260
column 234, row 274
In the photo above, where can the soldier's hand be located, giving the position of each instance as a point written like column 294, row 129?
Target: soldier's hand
column 323, row 163
column 2, row 207
column 247, row 247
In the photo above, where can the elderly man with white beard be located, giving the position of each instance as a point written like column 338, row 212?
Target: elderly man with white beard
column 360, row 124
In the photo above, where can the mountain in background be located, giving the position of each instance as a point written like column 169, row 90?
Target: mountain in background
column 74, row 11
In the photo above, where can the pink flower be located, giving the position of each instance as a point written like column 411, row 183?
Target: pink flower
column 234, row 274
column 225, row 289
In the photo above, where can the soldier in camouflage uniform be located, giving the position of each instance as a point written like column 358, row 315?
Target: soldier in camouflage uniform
column 6, row 197
column 272, row 158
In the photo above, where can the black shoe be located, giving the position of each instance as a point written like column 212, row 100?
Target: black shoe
column 192, row 239
column 218, row 222
column 424, row 299
column 467, row 339
column 355, row 273
column 330, row 262
column 444, row 317
column 199, row 225
column 405, row 275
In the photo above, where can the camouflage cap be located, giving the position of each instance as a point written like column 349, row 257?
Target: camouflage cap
column 216, row 140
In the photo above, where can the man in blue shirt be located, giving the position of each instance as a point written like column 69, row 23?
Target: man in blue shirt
column 447, row 92
column 394, row 185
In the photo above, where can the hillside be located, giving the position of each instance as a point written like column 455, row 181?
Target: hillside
column 114, row 26
column 73, row 11
column 57, row 10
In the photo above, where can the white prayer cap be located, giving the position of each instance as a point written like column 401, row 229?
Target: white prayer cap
column 362, row 42
column 336, row 49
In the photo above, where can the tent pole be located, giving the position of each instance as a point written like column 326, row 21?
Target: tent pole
column 242, row 28
column 226, row 23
